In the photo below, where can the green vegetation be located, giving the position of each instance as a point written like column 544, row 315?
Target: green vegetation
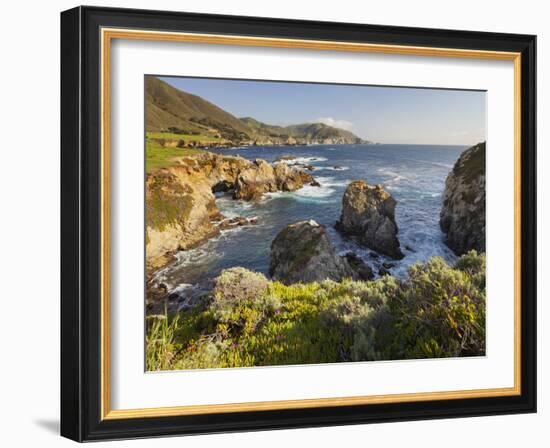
column 167, row 201
column 473, row 165
column 183, row 115
column 157, row 156
column 438, row 311
column 160, row 341
column 168, row 107
column 202, row 138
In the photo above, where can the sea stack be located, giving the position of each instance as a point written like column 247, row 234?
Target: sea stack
column 302, row 252
column 462, row 216
column 368, row 213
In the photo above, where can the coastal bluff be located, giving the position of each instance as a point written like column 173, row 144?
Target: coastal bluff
column 181, row 210
column 462, row 216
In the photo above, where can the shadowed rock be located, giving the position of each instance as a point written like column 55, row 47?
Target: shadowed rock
column 462, row 215
column 302, row 252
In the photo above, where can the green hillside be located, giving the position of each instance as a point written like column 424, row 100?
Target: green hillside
column 175, row 118
column 321, row 131
column 265, row 129
column 168, row 108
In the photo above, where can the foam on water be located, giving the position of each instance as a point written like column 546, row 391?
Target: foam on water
column 394, row 177
column 302, row 160
column 192, row 260
column 332, row 181
column 326, row 192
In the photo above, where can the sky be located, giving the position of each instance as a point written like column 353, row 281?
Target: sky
column 379, row 114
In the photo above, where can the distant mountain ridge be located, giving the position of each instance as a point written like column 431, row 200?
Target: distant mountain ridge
column 170, row 110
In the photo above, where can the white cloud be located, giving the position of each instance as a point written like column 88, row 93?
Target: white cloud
column 342, row 124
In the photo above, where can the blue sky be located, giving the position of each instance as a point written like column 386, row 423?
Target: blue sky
column 380, row 114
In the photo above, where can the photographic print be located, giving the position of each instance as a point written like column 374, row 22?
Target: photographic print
column 300, row 223
column 252, row 207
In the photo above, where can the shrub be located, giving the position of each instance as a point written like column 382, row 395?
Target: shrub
column 438, row 311
column 237, row 284
column 474, row 265
column 175, row 130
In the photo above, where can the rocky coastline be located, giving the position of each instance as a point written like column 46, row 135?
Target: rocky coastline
column 368, row 213
column 182, row 214
column 181, row 203
column 220, row 143
column 462, row 216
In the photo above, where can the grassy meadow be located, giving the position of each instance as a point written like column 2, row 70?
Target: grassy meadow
column 158, row 156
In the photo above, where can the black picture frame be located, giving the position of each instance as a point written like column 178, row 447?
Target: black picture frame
column 81, row 224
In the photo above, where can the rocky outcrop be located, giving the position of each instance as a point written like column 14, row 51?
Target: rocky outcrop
column 181, row 210
column 237, row 221
column 254, row 181
column 368, row 213
column 291, row 178
column 361, row 270
column 462, row 216
column 302, row 252
column 260, row 178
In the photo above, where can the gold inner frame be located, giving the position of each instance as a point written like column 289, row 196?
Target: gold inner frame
column 107, row 35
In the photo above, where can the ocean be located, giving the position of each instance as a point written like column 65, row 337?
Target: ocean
column 414, row 174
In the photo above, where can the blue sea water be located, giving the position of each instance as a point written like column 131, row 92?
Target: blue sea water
column 414, row 174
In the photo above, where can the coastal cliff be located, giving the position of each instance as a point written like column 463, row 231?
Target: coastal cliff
column 462, row 216
column 181, row 205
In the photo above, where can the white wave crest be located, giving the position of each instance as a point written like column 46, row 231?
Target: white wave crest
column 395, row 177
column 304, row 160
column 332, row 182
column 308, row 191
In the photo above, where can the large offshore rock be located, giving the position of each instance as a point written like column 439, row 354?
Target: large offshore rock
column 368, row 213
column 302, row 252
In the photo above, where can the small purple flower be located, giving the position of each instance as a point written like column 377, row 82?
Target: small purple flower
column 234, row 345
column 279, row 337
column 278, row 311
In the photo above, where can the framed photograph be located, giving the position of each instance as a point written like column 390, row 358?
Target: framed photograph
column 276, row 224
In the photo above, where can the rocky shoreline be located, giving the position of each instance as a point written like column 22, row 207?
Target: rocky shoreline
column 185, row 215
column 181, row 203
column 206, row 144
